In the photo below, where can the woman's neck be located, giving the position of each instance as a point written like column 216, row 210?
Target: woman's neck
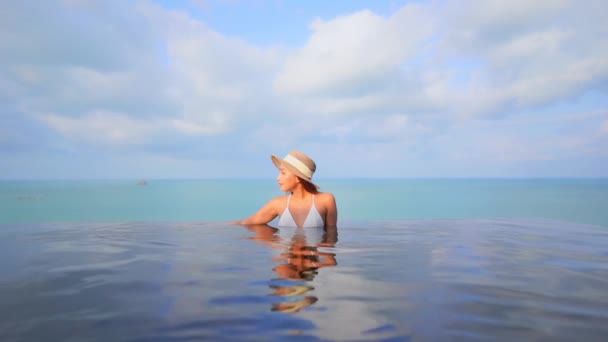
column 300, row 192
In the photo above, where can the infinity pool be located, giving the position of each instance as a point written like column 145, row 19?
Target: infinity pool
column 426, row 280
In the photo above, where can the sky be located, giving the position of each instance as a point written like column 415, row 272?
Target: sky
column 372, row 89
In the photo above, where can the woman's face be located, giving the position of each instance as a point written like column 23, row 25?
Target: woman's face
column 287, row 180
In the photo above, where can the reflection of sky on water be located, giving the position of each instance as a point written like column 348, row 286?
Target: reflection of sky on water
column 353, row 307
column 436, row 279
column 522, row 279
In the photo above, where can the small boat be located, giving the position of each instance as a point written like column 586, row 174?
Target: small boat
column 142, row 182
column 29, row 197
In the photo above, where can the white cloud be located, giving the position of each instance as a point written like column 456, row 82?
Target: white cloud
column 354, row 54
column 410, row 86
column 521, row 139
column 527, row 54
column 194, row 80
column 105, row 128
column 216, row 124
column 604, row 127
column 221, row 83
column 532, row 47
column 391, row 126
column 412, row 61
column 479, row 23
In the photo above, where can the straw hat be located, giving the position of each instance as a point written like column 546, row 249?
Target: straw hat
column 297, row 163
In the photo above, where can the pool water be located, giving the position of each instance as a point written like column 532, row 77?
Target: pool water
column 402, row 280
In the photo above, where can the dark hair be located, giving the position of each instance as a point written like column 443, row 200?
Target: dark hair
column 308, row 186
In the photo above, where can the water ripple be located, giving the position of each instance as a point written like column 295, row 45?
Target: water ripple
column 491, row 279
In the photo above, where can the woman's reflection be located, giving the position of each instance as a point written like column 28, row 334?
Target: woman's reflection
column 299, row 261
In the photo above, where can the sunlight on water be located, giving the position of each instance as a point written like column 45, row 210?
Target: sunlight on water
column 392, row 280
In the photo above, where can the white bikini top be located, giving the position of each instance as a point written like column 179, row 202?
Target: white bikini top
column 313, row 219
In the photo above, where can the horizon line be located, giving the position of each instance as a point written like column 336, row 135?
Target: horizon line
column 317, row 179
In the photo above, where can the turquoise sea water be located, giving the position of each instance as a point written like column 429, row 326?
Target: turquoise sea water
column 411, row 260
column 574, row 200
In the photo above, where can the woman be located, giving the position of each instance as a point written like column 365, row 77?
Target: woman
column 304, row 206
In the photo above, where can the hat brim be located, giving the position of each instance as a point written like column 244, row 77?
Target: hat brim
column 278, row 162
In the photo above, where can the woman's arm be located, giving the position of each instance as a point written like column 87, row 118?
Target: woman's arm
column 331, row 218
column 266, row 214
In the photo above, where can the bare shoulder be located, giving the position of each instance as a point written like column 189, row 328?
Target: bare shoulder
column 327, row 198
column 274, row 205
column 278, row 201
column 280, row 198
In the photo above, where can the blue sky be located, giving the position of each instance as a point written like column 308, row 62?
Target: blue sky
column 209, row 89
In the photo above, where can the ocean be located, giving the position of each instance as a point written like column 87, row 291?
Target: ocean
column 411, row 260
column 571, row 200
